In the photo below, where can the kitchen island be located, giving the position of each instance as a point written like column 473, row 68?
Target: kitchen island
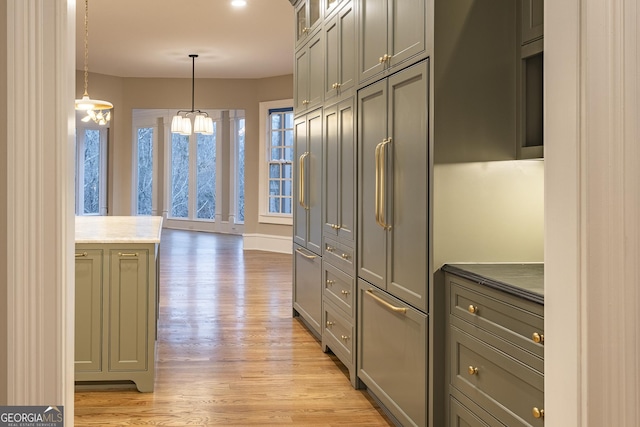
column 116, row 272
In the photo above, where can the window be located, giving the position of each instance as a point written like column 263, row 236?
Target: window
column 144, row 200
column 240, row 170
column 276, row 165
column 91, row 169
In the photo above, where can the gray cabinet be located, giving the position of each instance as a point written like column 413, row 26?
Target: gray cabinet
column 393, row 182
column 339, row 172
column 495, row 355
column 309, row 74
column 532, row 20
column 392, row 353
column 307, row 288
column 390, row 32
column 116, row 303
column 340, row 56
column 307, row 214
column 308, row 18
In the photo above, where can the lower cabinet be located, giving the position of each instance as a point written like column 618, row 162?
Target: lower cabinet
column 392, row 353
column 307, row 288
column 116, row 297
column 495, row 356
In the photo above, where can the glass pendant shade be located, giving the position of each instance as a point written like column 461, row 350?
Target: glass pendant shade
column 208, row 126
column 199, row 125
column 185, row 126
column 176, row 124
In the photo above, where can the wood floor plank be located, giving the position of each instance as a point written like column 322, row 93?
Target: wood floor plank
column 229, row 352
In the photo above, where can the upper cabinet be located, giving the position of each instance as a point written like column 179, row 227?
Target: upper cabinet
column 532, row 20
column 308, row 19
column 340, row 64
column 309, row 74
column 391, row 31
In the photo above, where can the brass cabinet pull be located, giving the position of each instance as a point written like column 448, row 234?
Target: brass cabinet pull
column 305, row 255
column 81, row 255
column 301, row 181
column 537, row 413
column 343, row 292
column 329, row 324
column 384, row 58
column 330, row 248
column 130, row 255
column 344, row 256
column 330, row 282
column 386, row 304
column 377, row 183
column 538, row 338
column 473, row 370
column 473, row 309
column 383, row 185
column 345, row 337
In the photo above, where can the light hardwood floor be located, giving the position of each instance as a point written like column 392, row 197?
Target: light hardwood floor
column 229, row 352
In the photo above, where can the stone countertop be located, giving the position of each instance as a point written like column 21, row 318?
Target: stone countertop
column 523, row 280
column 118, row 229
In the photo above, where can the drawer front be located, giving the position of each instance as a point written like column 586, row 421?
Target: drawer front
column 338, row 335
column 392, row 353
column 460, row 416
column 307, row 287
column 339, row 289
column 339, row 255
column 502, row 386
column 509, row 317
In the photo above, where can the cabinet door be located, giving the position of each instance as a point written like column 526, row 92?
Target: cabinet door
column 406, row 36
column 340, row 53
column 309, row 75
column 89, row 314
column 532, row 20
column 372, row 131
column 339, row 172
column 332, row 57
column 405, row 202
column 373, row 37
column 307, row 287
column 307, row 19
column 301, row 86
column 128, row 310
column 392, row 353
column 307, row 218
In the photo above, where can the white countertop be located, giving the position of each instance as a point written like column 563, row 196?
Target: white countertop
column 118, row 229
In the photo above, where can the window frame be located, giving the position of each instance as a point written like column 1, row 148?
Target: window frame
column 79, row 172
column 145, row 119
column 264, row 216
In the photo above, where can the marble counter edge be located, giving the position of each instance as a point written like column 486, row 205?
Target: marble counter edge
column 118, row 230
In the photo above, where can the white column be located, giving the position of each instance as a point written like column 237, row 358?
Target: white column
column 40, row 221
column 592, row 213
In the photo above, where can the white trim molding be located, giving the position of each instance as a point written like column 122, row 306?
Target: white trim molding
column 592, row 213
column 267, row 242
column 40, row 202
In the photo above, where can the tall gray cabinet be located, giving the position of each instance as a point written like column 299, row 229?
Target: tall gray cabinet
column 361, row 280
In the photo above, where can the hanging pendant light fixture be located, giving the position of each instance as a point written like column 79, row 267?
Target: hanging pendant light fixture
column 181, row 122
column 97, row 110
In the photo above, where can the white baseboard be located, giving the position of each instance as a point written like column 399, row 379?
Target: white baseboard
column 267, row 242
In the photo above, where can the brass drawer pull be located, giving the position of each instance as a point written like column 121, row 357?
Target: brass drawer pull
column 305, row 255
column 344, row 337
column 329, row 324
column 330, row 282
column 473, row 309
column 128, row 255
column 473, row 370
column 386, row 304
column 81, row 255
column 343, row 292
column 537, row 413
column 344, row 256
column 330, row 248
column 537, row 338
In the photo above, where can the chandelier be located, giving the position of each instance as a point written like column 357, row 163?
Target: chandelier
column 97, row 110
column 181, row 122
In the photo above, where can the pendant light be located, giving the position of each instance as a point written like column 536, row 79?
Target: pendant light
column 181, row 122
column 97, row 110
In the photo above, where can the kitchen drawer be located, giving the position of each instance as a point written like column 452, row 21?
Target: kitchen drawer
column 307, row 288
column 339, row 336
column 460, row 416
column 499, row 384
column 392, row 353
column 339, row 289
column 511, row 318
column 339, row 255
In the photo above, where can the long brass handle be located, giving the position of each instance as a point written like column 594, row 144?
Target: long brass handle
column 386, row 304
column 377, row 183
column 301, row 180
column 81, row 255
column 383, row 185
column 305, row 255
column 130, row 255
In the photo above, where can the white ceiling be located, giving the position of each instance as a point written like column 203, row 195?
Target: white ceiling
column 153, row 38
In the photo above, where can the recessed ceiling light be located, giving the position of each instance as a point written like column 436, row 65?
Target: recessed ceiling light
column 238, row 3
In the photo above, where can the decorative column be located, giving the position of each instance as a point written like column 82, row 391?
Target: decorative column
column 39, row 221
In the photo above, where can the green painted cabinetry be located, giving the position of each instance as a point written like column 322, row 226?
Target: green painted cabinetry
column 116, row 306
column 340, row 56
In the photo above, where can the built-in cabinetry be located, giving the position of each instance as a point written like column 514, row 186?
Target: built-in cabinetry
column 307, row 219
column 116, row 304
column 390, row 33
column 340, row 57
column 309, row 76
column 495, row 351
column 308, row 19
